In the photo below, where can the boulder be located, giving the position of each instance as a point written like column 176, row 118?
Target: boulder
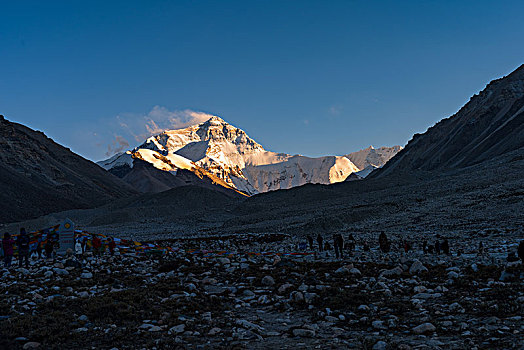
column 424, row 328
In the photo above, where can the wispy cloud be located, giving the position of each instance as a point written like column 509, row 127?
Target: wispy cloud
column 125, row 129
column 335, row 110
column 119, row 144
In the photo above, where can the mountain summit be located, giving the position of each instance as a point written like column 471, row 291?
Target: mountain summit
column 230, row 155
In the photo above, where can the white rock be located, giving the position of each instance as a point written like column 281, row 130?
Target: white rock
column 453, row 274
column 61, row 272
column 417, row 267
column 355, row 271
column 177, row 329
column 342, row 270
column 378, row 324
column 380, row 345
column 224, row 261
column 393, row 272
column 282, row 289
column 424, row 328
column 86, row 275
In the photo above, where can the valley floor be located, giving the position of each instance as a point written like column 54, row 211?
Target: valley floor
column 224, row 296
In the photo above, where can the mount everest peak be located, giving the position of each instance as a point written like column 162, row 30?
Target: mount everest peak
column 227, row 153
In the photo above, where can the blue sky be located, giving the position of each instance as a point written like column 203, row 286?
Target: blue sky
column 308, row 77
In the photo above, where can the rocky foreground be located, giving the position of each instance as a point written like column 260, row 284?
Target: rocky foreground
column 368, row 300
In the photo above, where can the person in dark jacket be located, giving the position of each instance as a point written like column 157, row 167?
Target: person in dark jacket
column 310, row 241
column 8, row 246
column 49, row 248
column 320, row 242
column 84, row 244
column 39, row 247
column 112, row 246
column 351, row 243
column 23, row 248
column 383, row 242
column 520, row 251
column 97, row 246
column 445, row 247
column 338, row 244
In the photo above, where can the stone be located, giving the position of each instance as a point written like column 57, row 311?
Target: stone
column 177, row 329
column 397, row 271
column 342, row 270
column 452, row 274
column 364, row 308
column 417, row 267
column 355, row 271
column 282, row 289
column 419, row 289
column 214, row 331
column 380, row 345
column 309, row 297
column 86, row 275
column 378, row 324
column 249, row 325
column 297, row 296
column 303, row 333
column 424, row 328
column 268, row 281
column 224, row 261
column 61, row 272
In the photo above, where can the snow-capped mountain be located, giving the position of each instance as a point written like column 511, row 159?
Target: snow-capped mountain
column 232, row 156
column 372, row 158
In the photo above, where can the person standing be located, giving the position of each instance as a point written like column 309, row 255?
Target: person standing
column 310, row 241
column 445, row 247
column 78, row 249
column 8, row 244
column 383, row 242
column 351, row 243
column 39, row 246
column 48, row 248
column 320, row 242
column 84, row 244
column 23, row 248
column 97, row 245
column 112, row 246
column 338, row 244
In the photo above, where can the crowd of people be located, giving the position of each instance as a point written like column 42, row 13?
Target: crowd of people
column 47, row 248
column 439, row 246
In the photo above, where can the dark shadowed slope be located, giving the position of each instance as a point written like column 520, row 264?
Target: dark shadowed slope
column 144, row 177
column 489, row 125
column 38, row 176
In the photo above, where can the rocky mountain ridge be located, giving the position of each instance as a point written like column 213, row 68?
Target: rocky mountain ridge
column 489, row 125
column 39, row 176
